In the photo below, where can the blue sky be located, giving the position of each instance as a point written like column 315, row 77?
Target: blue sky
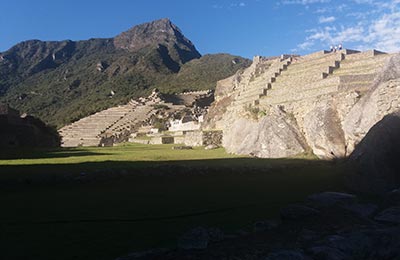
column 241, row 27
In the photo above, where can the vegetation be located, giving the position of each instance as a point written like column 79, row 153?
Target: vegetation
column 161, row 106
column 254, row 111
column 80, row 80
column 100, row 203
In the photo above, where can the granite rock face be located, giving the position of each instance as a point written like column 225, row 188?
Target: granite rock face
column 369, row 110
column 273, row 137
column 381, row 100
column 324, row 132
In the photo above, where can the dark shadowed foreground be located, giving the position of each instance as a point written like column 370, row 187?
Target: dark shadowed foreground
column 96, row 203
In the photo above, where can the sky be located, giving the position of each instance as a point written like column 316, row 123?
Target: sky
column 240, row 27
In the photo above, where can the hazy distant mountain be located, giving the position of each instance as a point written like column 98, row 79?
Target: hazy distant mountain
column 66, row 80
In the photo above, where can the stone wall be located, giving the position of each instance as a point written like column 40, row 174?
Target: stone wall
column 139, row 141
column 365, row 54
column 194, row 138
column 203, row 138
column 188, row 126
column 179, row 139
column 162, row 140
column 212, row 138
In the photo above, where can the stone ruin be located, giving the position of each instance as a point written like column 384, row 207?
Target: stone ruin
column 156, row 119
column 278, row 107
column 323, row 103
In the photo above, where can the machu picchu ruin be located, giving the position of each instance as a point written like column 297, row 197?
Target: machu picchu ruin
column 174, row 112
column 305, row 101
column 291, row 104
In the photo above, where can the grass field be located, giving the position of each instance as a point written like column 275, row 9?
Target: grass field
column 100, row 203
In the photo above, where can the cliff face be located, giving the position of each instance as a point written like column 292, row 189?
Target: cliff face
column 326, row 103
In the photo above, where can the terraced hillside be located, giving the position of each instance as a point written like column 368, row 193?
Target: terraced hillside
column 258, row 81
column 290, row 79
column 87, row 131
column 116, row 124
column 321, row 74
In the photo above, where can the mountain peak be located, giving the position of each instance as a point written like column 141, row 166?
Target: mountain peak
column 163, row 21
column 159, row 32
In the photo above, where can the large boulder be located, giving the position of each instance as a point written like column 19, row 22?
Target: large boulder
column 274, row 136
column 298, row 212
column 391, row 215
column 329, row 199
column 199, row 238
column 196, row 238
column 323, row 131
column 377, row 157
column 382, row 99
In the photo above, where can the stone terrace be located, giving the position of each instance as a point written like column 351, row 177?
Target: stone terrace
column 255, row 83
column 115, row 124
column 86, row 132
column 358, row 71
column 322, row 74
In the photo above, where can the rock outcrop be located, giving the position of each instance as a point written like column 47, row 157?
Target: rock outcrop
column 380, row 101
column 273, row 137
column 323, row 131
column 377, row 157
column 305, row 231
column 25, row 130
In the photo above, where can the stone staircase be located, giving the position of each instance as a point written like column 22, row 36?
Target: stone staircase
column 131, row 122
column 87, row 131
column 324, row 73
column 358, row 71
column 250, row 92
column 113, row 125
column 306, row 77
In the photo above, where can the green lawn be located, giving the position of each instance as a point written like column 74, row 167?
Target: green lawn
column 100, row 203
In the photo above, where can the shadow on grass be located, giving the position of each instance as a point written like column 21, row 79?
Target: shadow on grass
column 45, row 153
column 94, row 171
column 120, row 206
column 129, row 220
column 212, row 177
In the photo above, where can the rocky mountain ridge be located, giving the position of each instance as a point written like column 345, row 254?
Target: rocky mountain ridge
column 160, row 32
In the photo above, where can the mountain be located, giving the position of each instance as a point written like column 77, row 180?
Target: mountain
column 162, row 32
column 62, row 81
